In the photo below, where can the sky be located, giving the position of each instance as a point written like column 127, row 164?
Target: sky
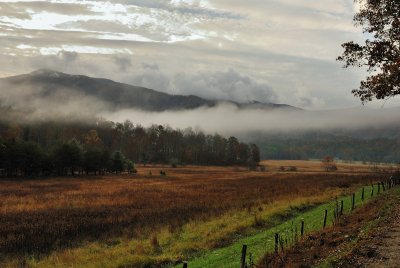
column 280, row 51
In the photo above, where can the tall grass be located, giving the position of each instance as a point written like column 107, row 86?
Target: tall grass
column 149, row 219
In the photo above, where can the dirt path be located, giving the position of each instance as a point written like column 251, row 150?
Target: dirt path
column 388, row 248
column 381, row 249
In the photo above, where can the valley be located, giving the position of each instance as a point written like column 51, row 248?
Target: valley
column 145, row 220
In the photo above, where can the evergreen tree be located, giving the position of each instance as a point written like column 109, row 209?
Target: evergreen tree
column 68, row 156
column 93, row 160
column 117, row 162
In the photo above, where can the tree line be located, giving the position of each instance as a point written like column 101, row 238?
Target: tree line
column 67, row 148
column 346, row 148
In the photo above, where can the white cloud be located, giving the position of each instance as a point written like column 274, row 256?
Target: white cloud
column 83, row 49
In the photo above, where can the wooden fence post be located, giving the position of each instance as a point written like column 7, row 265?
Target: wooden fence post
column 353, row 200
column 335, row 215
column 276, row 243
column 243, row 258
column 336, row 211
column 362, row 194
column 185, row 264
column 372, row 190
column 326, row 215
column 302, row 229
column 282, row 242
column 341, row 207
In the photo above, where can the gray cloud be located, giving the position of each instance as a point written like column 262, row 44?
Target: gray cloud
column 278, row 50
column 122, row 62
column 13, row 11
column 228, row 120
column 224, row 85
column 220, row 85
column 151, row 66
column 150, row 78
column 68, row 56
column 39, row 104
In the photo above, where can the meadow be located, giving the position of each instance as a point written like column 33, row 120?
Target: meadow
column 148, row 219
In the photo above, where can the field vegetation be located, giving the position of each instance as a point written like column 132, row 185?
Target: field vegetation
column 151, row 219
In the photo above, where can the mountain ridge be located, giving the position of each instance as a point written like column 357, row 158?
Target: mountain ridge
column 121, row 95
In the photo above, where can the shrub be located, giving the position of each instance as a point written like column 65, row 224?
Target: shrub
column 174, row 162
column 130, row 167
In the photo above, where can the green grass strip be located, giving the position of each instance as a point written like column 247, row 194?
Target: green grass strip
column 264, row 241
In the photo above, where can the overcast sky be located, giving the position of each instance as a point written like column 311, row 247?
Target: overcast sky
column 279, row 51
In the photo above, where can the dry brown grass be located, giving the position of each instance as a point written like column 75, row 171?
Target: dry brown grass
column 316, row 166
column 45, row 214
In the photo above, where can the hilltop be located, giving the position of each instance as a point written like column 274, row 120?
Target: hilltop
column 43, row 83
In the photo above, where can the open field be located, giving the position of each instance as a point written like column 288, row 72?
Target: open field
column 315, row 166
column 148, row 219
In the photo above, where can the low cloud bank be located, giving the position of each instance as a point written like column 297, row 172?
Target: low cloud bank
column 42, row 104
column 228, row 119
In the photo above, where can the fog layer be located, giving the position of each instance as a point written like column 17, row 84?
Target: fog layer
column 228, row 119
column 42, row 104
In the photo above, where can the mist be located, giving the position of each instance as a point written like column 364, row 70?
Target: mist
column 229, row 120
column 38, row 103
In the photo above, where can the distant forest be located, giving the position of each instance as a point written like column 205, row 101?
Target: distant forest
column 382, row 149
column 68, row 147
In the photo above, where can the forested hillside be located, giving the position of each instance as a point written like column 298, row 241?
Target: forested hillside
column 319, row 145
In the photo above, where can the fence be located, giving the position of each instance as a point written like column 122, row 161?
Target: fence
column 290, row 237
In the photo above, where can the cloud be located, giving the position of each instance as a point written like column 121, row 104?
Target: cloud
column 278, row 50
column 224, row 85
column 13, row 11
column 68, row 56
column 43, row 104
column 216, row 85
column 122, row 62
column 151, row 66
column 153, row 80
column 229, row 120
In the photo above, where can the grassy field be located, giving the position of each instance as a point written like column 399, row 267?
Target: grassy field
column 263, row 241
column 148, row 219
